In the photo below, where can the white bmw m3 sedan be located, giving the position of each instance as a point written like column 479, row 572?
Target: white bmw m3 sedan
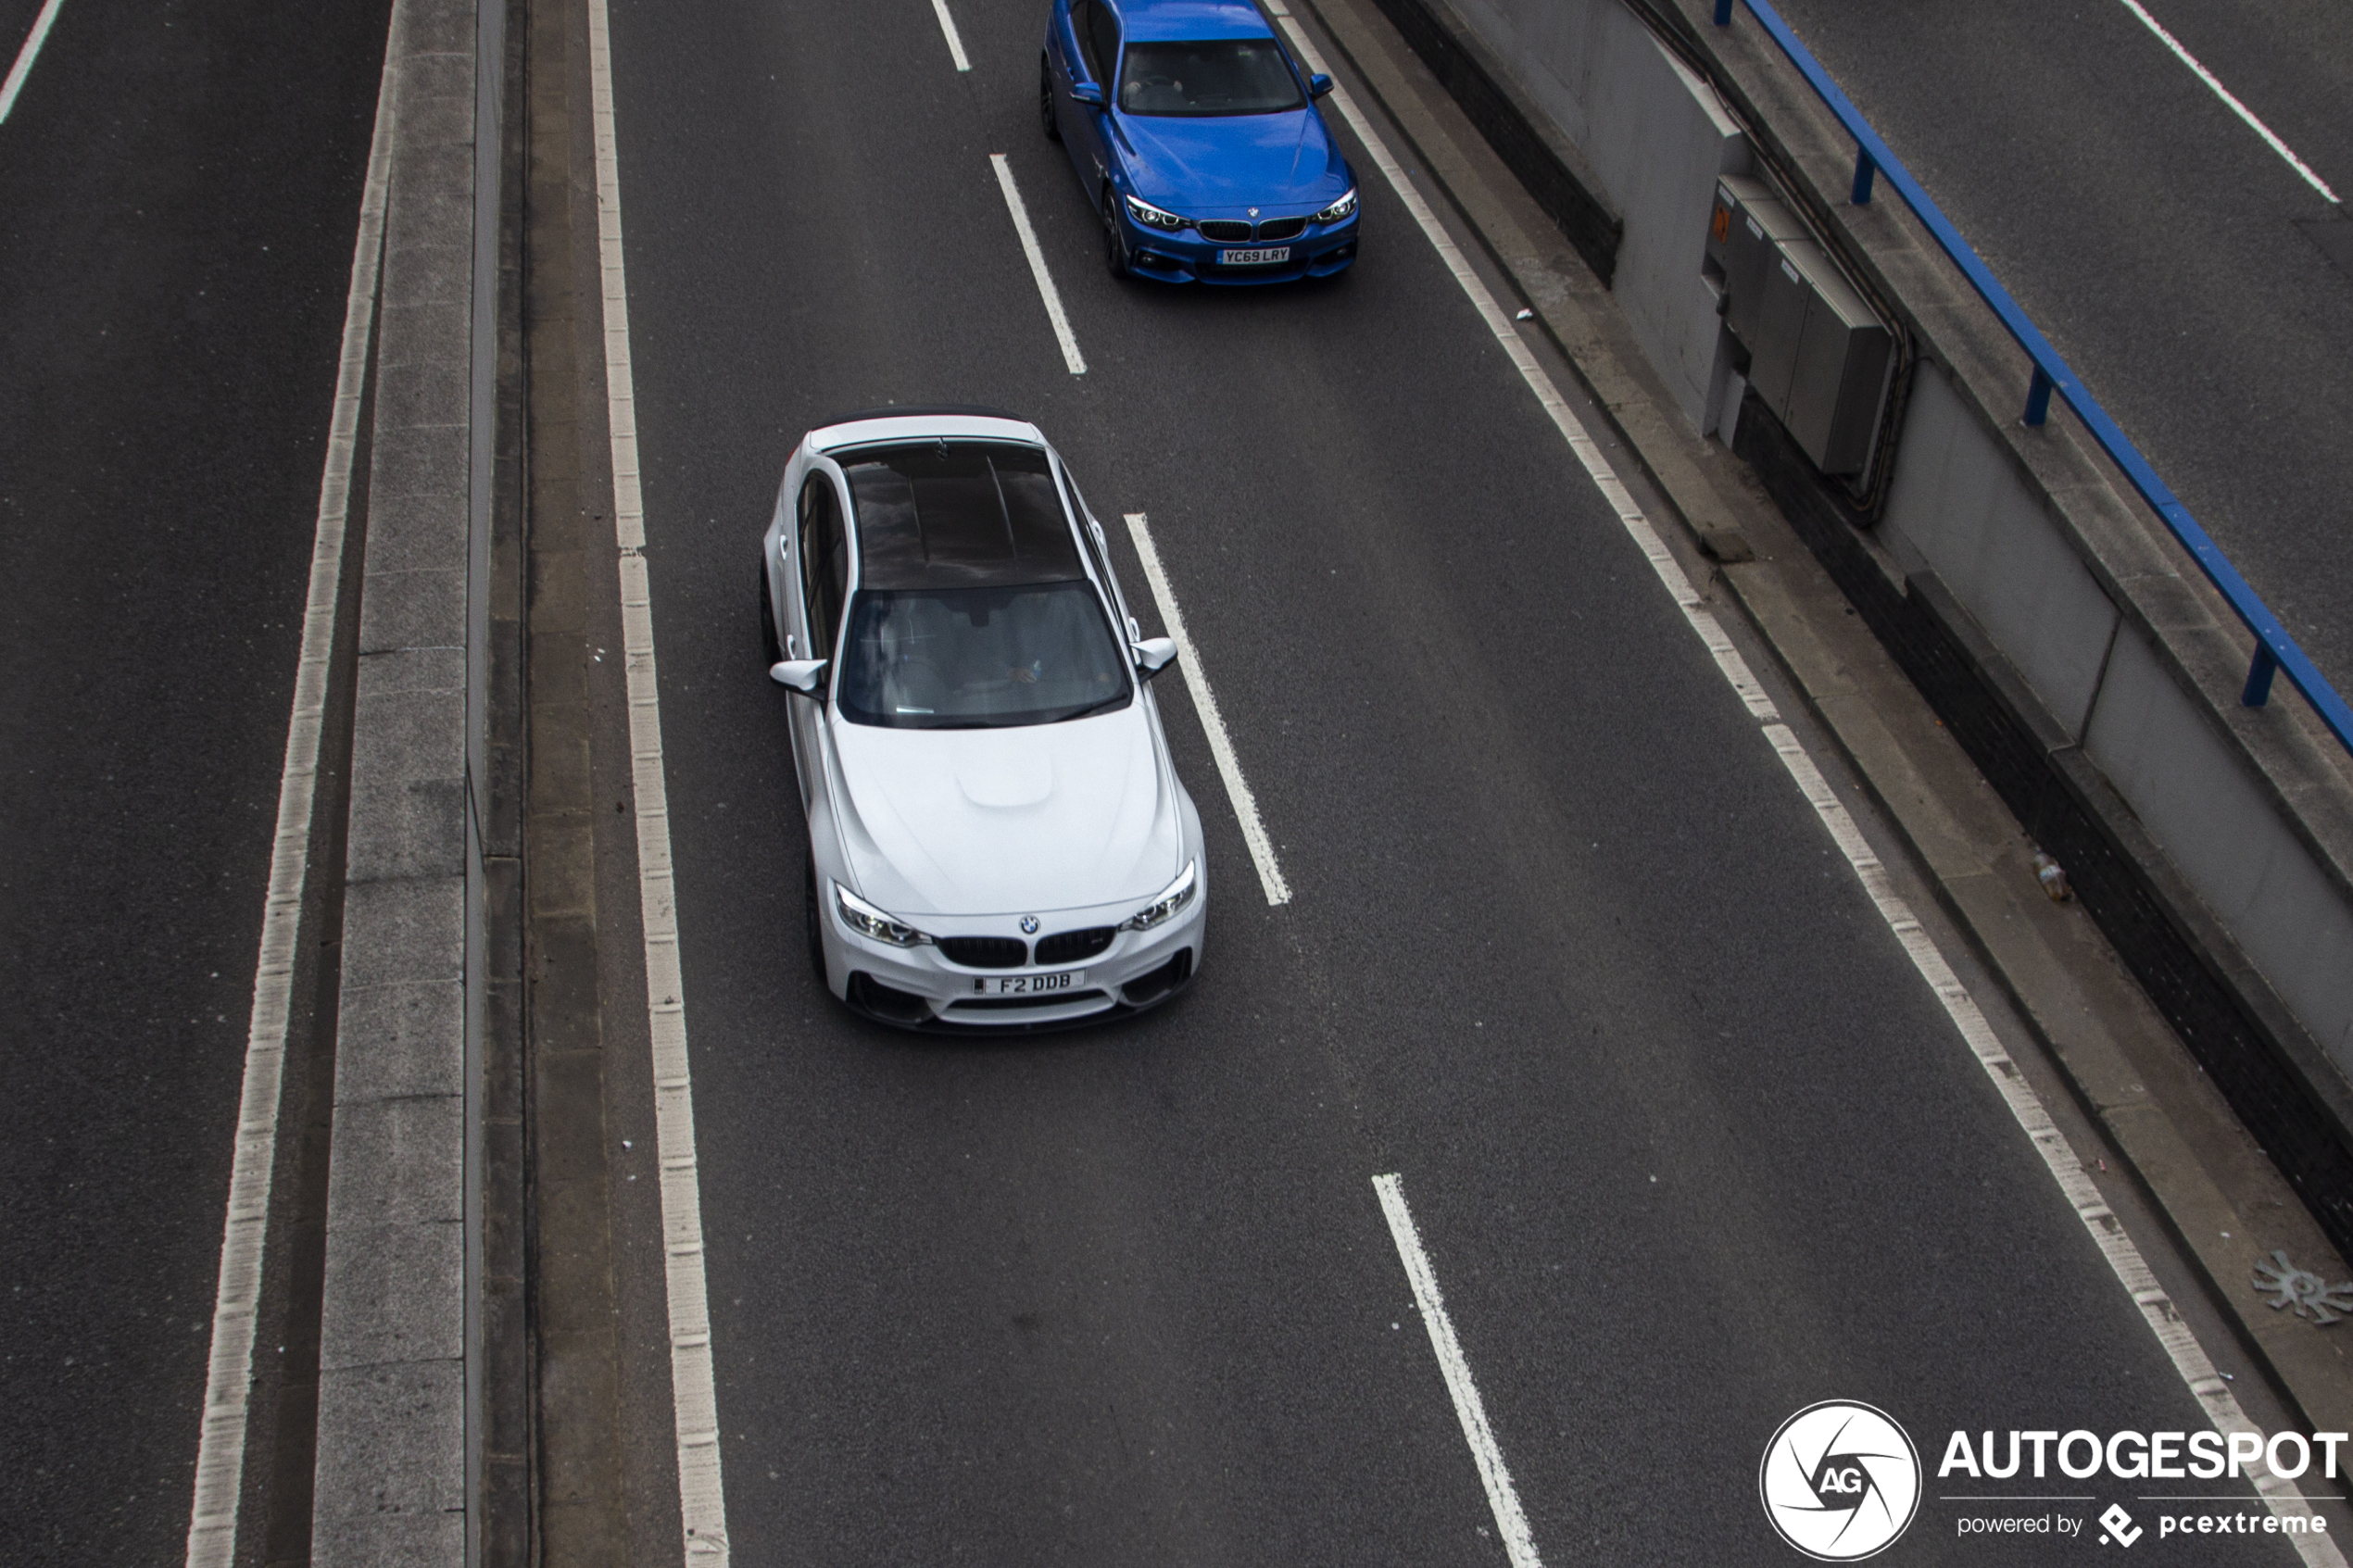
column 997, row 835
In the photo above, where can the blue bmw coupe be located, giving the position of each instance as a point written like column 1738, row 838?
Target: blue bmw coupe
column 1196, row 134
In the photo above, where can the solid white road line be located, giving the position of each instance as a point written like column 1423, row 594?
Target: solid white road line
column 25, row 56
column 947, row 26
column 212, row 1517
column 1046, row 290
column 1262, row 849
column 2236, row 107
column 2107, row 1231
column 702, row 1499
column 1510, row 1522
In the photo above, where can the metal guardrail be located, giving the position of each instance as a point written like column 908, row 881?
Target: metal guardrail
column 2274, row 650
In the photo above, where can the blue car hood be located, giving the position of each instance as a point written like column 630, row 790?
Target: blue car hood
column 1205, row 166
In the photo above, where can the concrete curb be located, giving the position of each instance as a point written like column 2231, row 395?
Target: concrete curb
column 2225, row 1202
column 400, row 1437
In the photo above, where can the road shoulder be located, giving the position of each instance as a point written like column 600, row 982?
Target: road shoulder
column 2225, row 1203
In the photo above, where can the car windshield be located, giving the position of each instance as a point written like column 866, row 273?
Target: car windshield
column 1215, row 76
column 964, row 658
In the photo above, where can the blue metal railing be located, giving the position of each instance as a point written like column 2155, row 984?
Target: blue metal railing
column 2275, row 651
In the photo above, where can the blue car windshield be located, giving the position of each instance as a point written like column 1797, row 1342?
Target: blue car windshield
column 1210, row 76
column 968, row 658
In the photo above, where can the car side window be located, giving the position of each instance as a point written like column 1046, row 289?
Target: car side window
column 825, row 564
column 1082, row 22
column 1087, row 533
column 1102, row 31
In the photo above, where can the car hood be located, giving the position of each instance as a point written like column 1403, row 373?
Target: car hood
column 1205, row 167
column 1010, row 820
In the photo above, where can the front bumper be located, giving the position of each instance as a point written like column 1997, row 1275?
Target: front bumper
column 921, row 988
column 1185, row 257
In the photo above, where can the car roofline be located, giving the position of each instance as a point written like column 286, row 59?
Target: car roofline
column 1179, row 21
column 901, row 424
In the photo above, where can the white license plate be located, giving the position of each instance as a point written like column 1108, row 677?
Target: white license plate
column 1030, row 984
column 1255, row 258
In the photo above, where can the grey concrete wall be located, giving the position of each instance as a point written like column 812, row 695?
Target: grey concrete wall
column 1983, row 525
column 2127, row 646
column 391, row 1477
column 1656, row 137
column 2140, row 663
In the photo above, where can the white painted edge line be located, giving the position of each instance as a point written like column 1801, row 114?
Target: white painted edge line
column 32, row 50
column 1188, row 666
column 955, row 44
column 1046, row 290
column 2225, row 94
column 1502, row 1497
column 221, row 1451
column 2107, row 1231
column 702, row 1499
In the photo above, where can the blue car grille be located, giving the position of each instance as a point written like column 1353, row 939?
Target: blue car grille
column 1233, row 231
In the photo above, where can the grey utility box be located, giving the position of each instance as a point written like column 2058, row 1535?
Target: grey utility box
column 1756, row 224
column 1818, row 355
column 1841, row 372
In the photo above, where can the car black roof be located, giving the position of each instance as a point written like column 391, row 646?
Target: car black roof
column 958, row 514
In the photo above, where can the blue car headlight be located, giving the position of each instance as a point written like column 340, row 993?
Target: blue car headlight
column 868, row 920
column 1151, row 217
column 1173, row 897
column 1343, row 208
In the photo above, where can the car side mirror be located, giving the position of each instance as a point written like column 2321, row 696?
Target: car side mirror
column 806, row 676
column 1319, row 84
column 1155, row 655
column 1087, row 93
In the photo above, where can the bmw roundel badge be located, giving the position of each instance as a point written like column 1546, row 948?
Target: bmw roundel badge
column 1029, row 925
column 1253, row 212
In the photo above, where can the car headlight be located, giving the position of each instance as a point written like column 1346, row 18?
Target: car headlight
column 1151, row 217
column 1173, row 897
column 1344, row 207
column 868, row 920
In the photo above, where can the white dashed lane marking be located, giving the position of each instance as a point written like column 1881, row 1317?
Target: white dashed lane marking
column 1503, row 1499
column 25, row 56
column 1046, row 290
column 1221, row 746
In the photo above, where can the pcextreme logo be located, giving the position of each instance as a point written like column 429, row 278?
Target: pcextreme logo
column 1840, row 1481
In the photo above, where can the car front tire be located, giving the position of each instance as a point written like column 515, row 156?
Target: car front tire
column 1046, row 100
column 1114, row 242
column 810, row 915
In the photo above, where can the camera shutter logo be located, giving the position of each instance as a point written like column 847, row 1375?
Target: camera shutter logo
column 1841, row 1481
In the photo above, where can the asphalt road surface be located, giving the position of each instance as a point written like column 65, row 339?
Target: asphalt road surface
column 1688, row 1142
column 178, row 189
column 2157, row 239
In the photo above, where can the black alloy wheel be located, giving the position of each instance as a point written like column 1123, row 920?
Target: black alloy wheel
column 768, row 619
column 1046, row 100
column 1115, row 242
column 808, row 916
